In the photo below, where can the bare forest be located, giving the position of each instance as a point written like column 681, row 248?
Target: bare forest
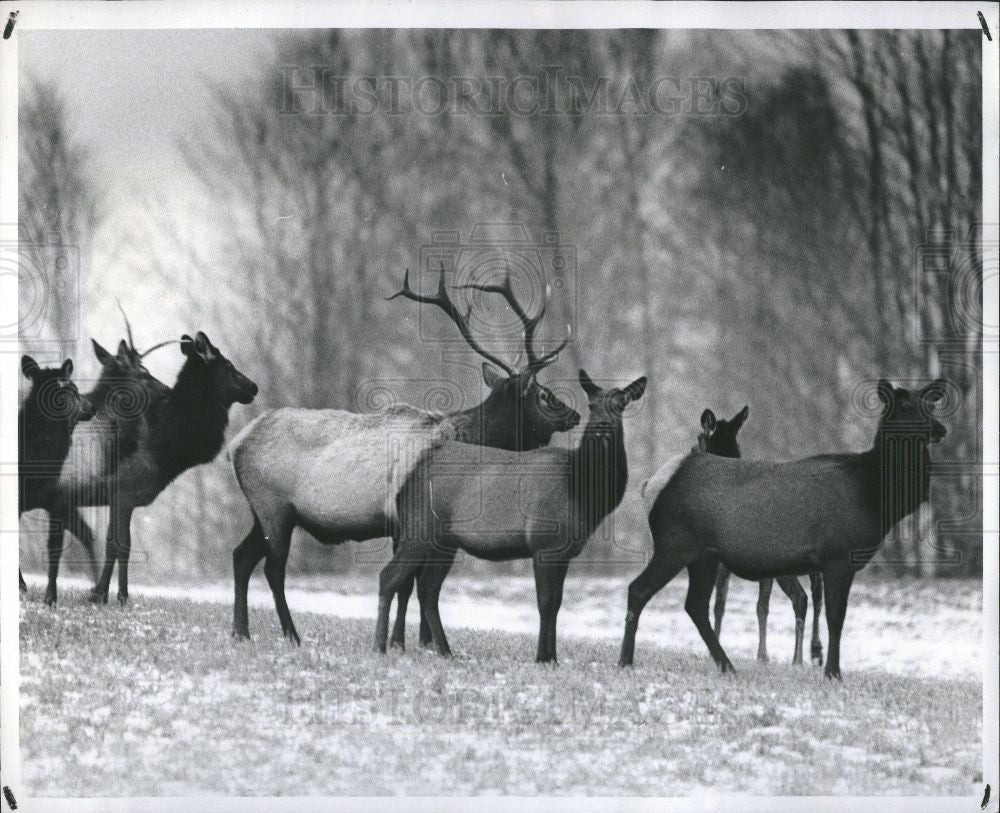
column 760, row 218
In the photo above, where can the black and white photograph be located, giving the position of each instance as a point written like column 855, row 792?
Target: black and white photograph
column 427, row 399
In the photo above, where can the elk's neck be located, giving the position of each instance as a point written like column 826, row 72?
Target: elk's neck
column 897, row 473
column 193, row 429
column 43, row 437
column 599, row 469
column 480, row 426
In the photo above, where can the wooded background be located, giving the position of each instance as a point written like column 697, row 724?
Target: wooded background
column 802, row 222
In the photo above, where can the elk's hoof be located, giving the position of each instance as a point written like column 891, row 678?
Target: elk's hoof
column 98, row 596
column 400, row 645
column 122, row 599
column 50, row 598
column 240, row 635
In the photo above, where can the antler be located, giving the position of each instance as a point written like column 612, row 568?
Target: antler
column 506, row 290
column 128, row 327
column 443, row 301
column 131, row 342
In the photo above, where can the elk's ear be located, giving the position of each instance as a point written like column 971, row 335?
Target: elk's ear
column 67, row 369
column 103, row 356
column 589, row 386
column 634, row 391
column 492, row 376
column 123, row 349
column 203, row 346
column 29, row 367
column 884, row 390
column 187, row 345
column 708, row 420
column 739, row 419
column 936, row 390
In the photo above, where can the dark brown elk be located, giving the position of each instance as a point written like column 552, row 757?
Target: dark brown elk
column 52, row 408
column 121, row 396
column 335, row 473
column 153, row 434
column 828, row 513
column 719, row 437
column 497, row 505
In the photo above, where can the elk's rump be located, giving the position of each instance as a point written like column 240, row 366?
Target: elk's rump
column 338, row 471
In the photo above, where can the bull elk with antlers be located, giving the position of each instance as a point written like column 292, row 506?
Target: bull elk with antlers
column 335, row 473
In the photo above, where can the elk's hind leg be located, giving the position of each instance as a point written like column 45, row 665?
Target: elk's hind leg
column 764, row 588
column 816, row 648
column 400, row 571
column 660, row 570
column 721, row 593
column 278, row 540
column 701, row 579
column 800, row 604
column 246, row 557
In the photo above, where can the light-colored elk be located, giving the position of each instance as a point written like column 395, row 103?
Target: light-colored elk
column 335, row 473
column 497, row 505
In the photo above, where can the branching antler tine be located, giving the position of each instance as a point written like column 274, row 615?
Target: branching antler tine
column 551, row 356
column 158, row 346
column 128, row 327
column 506, row 290
column 443, row 301
column 406, row 290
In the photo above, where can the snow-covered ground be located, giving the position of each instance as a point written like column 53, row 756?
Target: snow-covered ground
column 918, row 627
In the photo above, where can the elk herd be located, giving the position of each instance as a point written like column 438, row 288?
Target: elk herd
column 482, row 480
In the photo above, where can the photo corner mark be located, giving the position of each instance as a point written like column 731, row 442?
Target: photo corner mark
column 986, row 31
column 9, row 28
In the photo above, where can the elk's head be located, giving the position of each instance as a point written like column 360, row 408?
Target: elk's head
column 607, row 406
column 911, row 414
column 537, row 411
column 55, row 393
column 226, row 384
column 531, row 412
column 126, row 363
column 718, row 437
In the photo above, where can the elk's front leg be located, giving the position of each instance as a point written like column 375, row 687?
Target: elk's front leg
column 100, row 592
column 55, row 545
column 124, row 548
column 837, row 581
column 550, row 575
